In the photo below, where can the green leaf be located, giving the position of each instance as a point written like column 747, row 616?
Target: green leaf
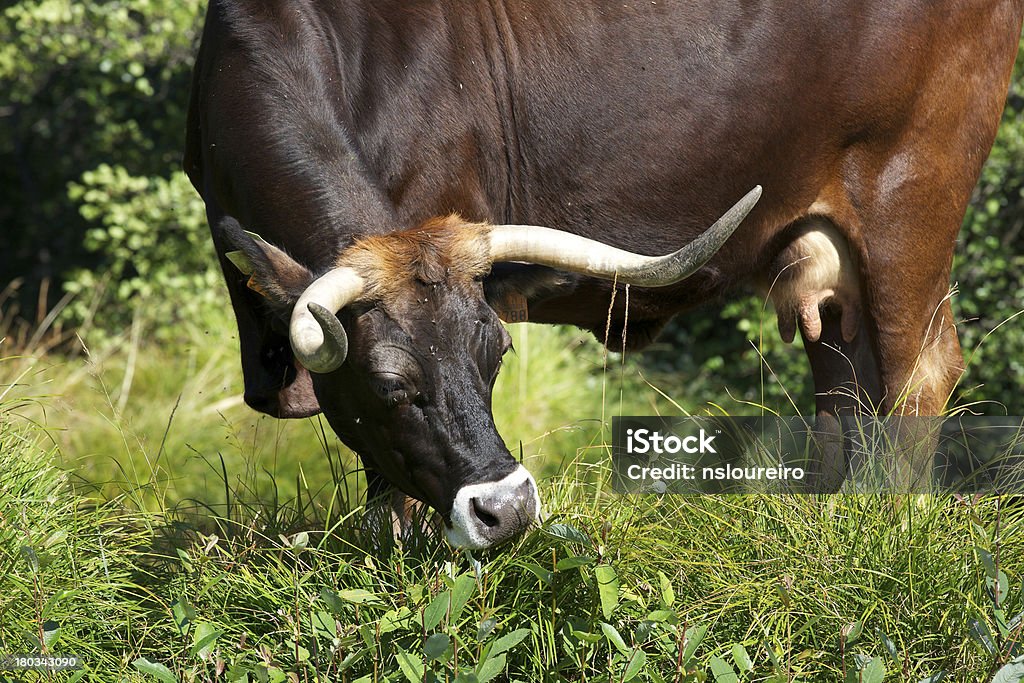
column 462, row 591
column 997, row 587
column 332, row 600
column 183, row 614
column 57, row 598
column 395, row 619
column 890, row 647
column 436, row 610
column 484, row 628
column 490, row 668
column 358, row 596
column 722, row 672
column 591, row 638
column 634, row 665
column 608, row 588
column 410, row 666
column 872, row 671
column 545, row 575
column 322, row 624
column 668, row 596
column 156, row 670
column 742, row 659
column 662, row 615
column 1011, row 673
column 851, row 632
column 999, row 615
column 574, row 562
column 31, row 557
column 367, row 633
column 692, row 639
column 51, row 633
column 772, row 656
column 297, row 542
column 508, row 641
column 566, row 533
column 935, row 677
column 613, row 636
column 987, row 561
column 436, row 645
column 981, row 634
column 204, row 639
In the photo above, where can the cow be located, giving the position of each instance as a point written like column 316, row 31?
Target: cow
column 381, row 176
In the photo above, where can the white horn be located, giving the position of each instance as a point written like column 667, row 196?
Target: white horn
column 565, row 251
column 318, row 338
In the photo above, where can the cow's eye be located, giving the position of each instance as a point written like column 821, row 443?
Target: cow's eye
column 392, row 389
column 494, row 374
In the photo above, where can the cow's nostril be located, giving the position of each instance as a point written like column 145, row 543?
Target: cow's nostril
column 489, row 519
column 492, row 512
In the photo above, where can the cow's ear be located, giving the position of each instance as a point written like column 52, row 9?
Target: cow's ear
column 272, row 273
column 510, row 282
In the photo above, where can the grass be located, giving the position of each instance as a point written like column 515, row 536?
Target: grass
column 128, row 415
column 152, row 525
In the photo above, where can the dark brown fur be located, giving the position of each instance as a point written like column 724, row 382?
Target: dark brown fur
column 323, row 125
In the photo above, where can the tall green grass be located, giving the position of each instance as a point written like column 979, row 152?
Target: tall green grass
column 663, row 588
column 152, row 525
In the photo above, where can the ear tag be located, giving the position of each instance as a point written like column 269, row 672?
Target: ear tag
column 255, row 286
column 513, row 308
column 241, row 261
column 255, row 238
column 245, row 264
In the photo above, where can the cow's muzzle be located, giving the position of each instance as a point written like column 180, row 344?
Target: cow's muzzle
column 494, row 512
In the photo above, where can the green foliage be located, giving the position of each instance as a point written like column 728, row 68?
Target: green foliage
column 65, row 561
column 156, row 249
column 84, row 84
column 735, row 358
column 724, row 589
column 263, row 571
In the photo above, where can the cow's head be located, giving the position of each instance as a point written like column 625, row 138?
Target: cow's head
column 403, row 349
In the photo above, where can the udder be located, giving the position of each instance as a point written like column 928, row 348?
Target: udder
column 816, row 269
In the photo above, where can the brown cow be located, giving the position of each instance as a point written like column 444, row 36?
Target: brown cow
column 343, row 133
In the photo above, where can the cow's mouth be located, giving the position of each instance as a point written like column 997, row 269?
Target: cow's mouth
column 490, row 513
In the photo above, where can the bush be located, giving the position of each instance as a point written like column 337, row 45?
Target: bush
column 155, row 249
column 84, row 83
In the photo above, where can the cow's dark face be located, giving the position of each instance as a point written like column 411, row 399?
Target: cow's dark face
column 413, row 395
column 414, row 398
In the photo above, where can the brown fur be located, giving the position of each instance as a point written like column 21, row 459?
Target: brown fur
column 316, row 124
column 444, row 249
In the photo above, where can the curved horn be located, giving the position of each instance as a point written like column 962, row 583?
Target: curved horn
column 318, row 339
column 565, row 251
